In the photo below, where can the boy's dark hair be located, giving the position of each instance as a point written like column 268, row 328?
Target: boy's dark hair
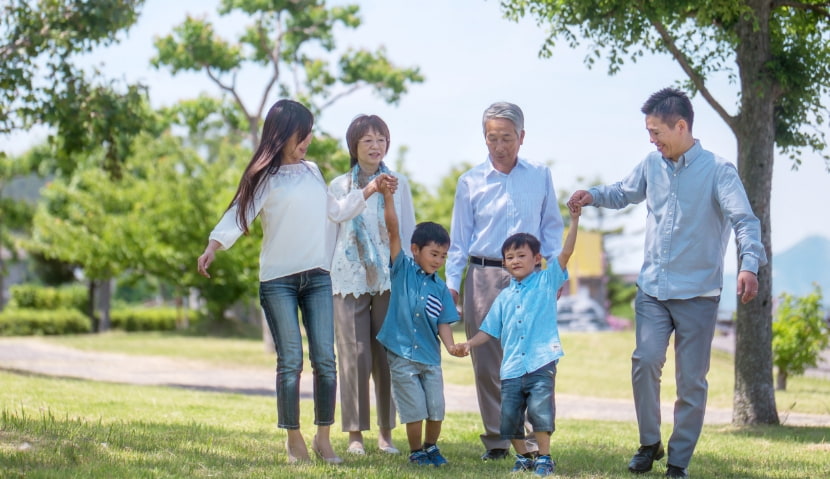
column 521, row 239
column 429, row 232
column 670, row 105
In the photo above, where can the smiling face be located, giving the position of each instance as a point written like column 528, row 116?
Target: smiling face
column 520, row 262
column 671, row 141
column 503, row 143
column 295, row 149
column 371, row 149
column 431, row 256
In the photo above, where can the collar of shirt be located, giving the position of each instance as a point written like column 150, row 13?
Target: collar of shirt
column 491, row 170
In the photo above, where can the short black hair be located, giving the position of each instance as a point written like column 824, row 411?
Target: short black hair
column 670, row 105
column 521, row 239
column 429, row 232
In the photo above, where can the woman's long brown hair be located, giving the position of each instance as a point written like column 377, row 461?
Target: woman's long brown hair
column 285, row 119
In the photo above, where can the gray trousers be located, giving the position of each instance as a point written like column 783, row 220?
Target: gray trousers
column 481, row 286
column 360, row 356
column 693, row 323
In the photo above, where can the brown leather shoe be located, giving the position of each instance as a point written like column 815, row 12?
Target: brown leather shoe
column 645, row 457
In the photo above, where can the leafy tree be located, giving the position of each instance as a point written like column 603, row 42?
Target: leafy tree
column 778, row 54
column 40, row 84
column 799, row 335
column 283, row 38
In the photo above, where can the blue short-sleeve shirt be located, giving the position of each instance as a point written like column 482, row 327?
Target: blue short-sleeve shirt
column 419, row 302
column 523, row 318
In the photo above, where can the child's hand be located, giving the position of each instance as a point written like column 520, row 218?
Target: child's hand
column 460, row 350
column 387, row 184
column 574, row 209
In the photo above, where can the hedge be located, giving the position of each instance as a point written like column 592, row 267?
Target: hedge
column 27, row 322
column 32, row 296
column 145, row 319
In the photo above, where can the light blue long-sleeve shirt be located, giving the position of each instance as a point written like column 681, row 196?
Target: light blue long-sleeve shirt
column 691, row 206
column 490, row 206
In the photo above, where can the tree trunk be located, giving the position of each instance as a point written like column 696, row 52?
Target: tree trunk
column 103, row 302
column 754, row 400
column 781, row 380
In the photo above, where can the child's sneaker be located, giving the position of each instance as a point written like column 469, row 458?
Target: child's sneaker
column 420, row 458
column 522, row 464
column 435, row 456
column 544, row 466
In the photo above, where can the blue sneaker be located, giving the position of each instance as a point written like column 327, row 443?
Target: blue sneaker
column 435, row 456
column 544, row 466
column 420, row 458
column 522, row 464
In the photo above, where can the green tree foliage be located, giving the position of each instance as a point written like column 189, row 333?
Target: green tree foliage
column 799, row 335
column 285, row 39
column 777, row 53
column 40, row 82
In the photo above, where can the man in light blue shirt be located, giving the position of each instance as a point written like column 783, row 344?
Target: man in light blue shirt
column 494, row 200
column 694, row 200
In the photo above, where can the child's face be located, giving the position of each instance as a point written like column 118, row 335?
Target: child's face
column 431, row 257
column 520, row 262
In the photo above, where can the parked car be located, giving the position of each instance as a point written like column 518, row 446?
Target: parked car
column 580, row 313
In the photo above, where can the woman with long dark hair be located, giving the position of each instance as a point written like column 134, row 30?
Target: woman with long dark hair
column 299, row 219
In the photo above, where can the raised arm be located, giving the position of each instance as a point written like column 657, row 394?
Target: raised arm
column 570, row 240
column 391, row 218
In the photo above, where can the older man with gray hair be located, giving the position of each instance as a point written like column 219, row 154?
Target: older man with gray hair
column 502, row 196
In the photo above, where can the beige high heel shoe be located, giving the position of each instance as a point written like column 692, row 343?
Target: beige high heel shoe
column 331, row 460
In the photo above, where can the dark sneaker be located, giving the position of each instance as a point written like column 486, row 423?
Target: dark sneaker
column 420, row 458
column 645, row 457
column 674, row 471
column 544, row 466
column 491, row 454
column 522, row 464
column 435, row 456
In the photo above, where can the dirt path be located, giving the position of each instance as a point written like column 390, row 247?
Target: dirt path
column 31, row 355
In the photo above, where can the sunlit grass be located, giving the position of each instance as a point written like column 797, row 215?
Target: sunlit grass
column 61, row 428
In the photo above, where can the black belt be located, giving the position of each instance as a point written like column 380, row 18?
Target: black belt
column 485, row 262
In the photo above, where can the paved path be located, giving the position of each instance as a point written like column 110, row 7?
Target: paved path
column 32, row 355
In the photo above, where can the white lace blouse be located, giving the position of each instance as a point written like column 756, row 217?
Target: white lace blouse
column 348, row 274
column 299, row 219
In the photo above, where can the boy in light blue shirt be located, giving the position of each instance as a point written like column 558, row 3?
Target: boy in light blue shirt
column 523, row 317
column 420, row 312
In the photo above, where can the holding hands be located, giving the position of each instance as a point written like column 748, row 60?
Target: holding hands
column 385, row 184
column 459, row 350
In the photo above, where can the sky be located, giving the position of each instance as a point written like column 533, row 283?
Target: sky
column 582, row 121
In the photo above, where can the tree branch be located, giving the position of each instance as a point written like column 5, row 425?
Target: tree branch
column 230, row 89
column 698, row 80
column 821, row 8
column 340, row 95
column 274, row 56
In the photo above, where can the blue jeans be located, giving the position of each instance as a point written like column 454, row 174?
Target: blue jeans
column 533, row 393
column 280, row 298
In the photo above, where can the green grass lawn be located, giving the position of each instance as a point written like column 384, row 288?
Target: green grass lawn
column 595, row 364
column 61, row 428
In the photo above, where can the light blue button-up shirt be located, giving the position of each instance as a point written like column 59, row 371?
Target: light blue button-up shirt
column 419, row 302
column 490, row 206
column 523, row 317
column 692, row 204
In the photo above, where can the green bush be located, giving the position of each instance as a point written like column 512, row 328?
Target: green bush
column 27, row 322
column 145, row 319
column 32, row 296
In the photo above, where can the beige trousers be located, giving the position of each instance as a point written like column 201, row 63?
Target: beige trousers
column 360, row 356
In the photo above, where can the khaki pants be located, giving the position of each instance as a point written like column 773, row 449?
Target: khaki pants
column 360, row 356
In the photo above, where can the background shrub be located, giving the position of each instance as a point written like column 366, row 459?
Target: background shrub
column 28, row 322
column 145, row 319
column 32, row 296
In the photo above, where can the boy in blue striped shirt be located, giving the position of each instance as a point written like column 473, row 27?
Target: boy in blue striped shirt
column 420, row 312
column 523, row 317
